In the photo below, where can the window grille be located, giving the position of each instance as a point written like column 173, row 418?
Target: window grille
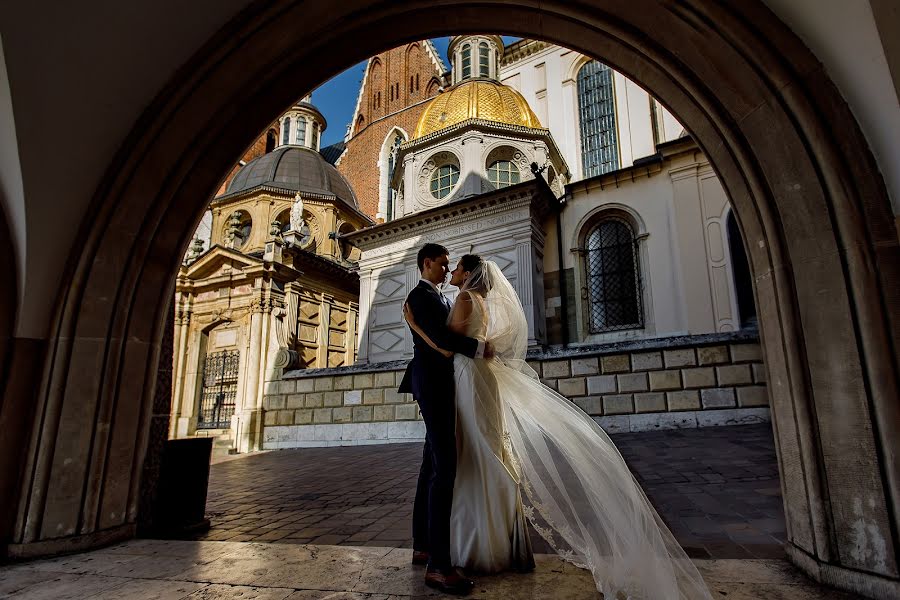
column 301, row 131
column 466, row 61
column 217, row 398
column 597, row 112
column 613, row 277
column 443, row 179
column 286, row 131
column 483, row 60
column 503, row 173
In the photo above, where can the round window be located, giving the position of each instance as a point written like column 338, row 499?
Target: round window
column 443, row 179
column 503, row 173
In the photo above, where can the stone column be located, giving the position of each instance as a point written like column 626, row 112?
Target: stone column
column 350, row 338
column 192, row 367
column 180, row 336
column 365, row 305
column 524, row 287
column 249, row 426
column 324, row 327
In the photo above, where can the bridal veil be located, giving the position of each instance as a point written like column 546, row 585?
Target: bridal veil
column 578, row 492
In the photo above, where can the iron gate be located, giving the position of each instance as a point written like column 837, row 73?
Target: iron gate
column 220, row 377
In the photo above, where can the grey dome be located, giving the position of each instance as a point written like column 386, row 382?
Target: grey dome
column 293, row 168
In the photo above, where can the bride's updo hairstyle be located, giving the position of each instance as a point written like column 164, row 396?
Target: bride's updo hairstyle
column 478, row 280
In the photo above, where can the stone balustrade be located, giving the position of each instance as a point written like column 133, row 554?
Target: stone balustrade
column 686, row 381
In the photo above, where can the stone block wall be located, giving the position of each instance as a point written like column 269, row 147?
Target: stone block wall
column 688, row 381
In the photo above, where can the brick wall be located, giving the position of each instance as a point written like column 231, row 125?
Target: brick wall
column 257, row 149
column 398, row 105
column 693, row 381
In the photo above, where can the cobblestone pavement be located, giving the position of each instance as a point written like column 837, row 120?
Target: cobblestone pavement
column 717, row 488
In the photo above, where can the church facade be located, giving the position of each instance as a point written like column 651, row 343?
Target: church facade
column 600, row 209
column 274, row 289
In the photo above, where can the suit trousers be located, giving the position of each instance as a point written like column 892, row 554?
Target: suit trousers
column 433, row 390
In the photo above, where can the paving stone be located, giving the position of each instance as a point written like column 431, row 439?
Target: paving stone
column 617, row 363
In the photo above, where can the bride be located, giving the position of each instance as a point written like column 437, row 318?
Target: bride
column 526, row 452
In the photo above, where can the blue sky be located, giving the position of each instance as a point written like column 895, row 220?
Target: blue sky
column 336, row 98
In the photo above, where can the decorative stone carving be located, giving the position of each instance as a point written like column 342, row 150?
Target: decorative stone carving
column 194, row 251
column 297, row 221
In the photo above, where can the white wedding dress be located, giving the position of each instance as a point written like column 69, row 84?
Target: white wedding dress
column 526, row 452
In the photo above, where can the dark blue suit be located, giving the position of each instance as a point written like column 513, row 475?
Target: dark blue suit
column 429, row 377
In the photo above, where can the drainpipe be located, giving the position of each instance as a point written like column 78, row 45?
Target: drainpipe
column 558, row 206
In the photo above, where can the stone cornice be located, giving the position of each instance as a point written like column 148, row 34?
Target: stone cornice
column 289, row 194
column 528, row 193
column 522, row 49
column 457, row 128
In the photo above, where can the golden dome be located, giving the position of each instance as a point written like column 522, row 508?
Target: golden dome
column 476, row 99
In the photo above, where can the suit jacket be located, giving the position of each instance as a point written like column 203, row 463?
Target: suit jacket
column 431, row 310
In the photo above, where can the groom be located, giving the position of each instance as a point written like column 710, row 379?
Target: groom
column 429, row 377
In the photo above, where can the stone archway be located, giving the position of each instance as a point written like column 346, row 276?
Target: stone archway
column 807, row 193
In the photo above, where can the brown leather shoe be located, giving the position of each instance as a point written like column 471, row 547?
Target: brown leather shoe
column 420, row 558
column 449, row 581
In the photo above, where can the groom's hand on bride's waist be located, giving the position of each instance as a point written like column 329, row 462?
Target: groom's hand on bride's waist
column 488, row 350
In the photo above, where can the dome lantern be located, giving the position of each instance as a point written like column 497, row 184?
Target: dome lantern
column 302, row 125
column 475, row 57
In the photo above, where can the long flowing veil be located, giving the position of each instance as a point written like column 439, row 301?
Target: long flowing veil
column 578, row 492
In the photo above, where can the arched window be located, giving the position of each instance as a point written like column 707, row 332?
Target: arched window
column 286, row 131
column 613, row 276
column 597, row 112
column 271, row 140
column 314, row 142
column 301, row 131
column 466, row 61
column 392, row 165
column 443, row 179
column 484, row 58
column 503, row 173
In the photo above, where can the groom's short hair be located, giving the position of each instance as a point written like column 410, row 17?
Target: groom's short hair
column 431, row 251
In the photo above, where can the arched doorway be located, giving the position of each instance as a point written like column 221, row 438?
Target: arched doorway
column 807, row 196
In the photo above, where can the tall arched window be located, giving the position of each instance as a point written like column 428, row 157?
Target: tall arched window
column 484, row 60
column 466, row 61
column 301, row 131
column 314, row 141
column 286, row 131
column 597, row 111
column 392, row 165
column 613, row 276
column 271, row 140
